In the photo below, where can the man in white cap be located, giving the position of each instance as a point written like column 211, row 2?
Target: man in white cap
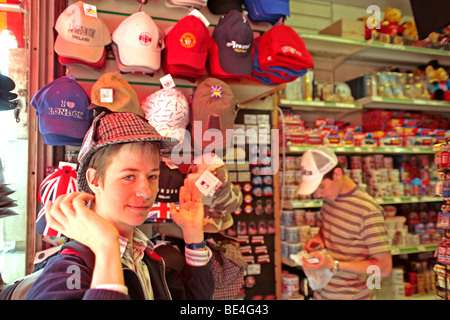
column 353, row 229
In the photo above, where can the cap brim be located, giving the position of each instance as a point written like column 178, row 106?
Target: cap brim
column 308, row 187
column 71, row 50
column 72, row 128
column 190, row 59
column 139, row 57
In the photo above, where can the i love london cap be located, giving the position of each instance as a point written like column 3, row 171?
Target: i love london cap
column 139, row 41
column 62, row 109
column 81, row 33
column 234, row 38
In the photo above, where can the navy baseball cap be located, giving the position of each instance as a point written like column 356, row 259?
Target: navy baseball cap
column 62, row 110
column 234, row 38
column 224, row 6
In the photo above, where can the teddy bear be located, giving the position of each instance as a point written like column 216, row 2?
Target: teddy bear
column 409, row 30
column 391, row 23
column 438, row 81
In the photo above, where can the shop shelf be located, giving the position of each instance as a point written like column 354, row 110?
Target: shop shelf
column 341, row 49
column 404, row 104
column 366, row 150
column 395, row 200
column 396, row 250
column 318, row 106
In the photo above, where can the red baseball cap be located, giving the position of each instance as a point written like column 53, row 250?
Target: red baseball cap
column 96, row 65
column 181, row 71
column 187, row 43
column 283, row 47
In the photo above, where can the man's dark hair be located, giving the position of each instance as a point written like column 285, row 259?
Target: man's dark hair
column 329, row 174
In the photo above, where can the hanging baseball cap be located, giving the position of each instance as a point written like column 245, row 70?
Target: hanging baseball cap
column 267, row 10
column 314, row 164
column 167, row 110
column 123, row 98
column 7, row 98
column 98, row 66
column 272, row 74
column 62, row 110
column 81, row 33
column 233, row 38
column 6, row 83
column 214, row 107
column 116, row 128
column 61, row 181
column 198, row 4
column 224, row 6
column 139, row 41
column 281, row 46
column 186, row 48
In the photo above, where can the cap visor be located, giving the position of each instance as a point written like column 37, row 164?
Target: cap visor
column 72, row 128
column 308, row 187
column 183, row 57
column 139, row 57
column 68, row 49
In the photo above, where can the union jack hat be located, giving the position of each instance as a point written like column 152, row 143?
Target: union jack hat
column 115, row 128
column 62, row 181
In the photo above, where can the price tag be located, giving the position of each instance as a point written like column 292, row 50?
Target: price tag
column 208, row 184
column 167, row 82
column 106, row 95
column 253, row 269
column 90, row 10
column 198, row 14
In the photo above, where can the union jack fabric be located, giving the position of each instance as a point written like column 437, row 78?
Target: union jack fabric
column 160, row 212
column 62, row 181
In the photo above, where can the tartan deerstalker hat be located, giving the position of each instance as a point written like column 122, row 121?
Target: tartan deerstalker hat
column 115, row 128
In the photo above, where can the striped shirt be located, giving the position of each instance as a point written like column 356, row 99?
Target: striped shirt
column 353, row 229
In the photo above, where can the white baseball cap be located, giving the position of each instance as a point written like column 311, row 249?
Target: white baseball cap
column 81, row 34
column 315, row 163
column 167, row 110
column 139, row 41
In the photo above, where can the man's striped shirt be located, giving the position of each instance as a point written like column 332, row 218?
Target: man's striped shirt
column 353, row 229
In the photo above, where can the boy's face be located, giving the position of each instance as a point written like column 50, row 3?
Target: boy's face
column 130, row 186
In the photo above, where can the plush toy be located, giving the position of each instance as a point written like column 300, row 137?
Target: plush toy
column 439, row 83
column 391, row 23
column 368, row 31
column 409, row 30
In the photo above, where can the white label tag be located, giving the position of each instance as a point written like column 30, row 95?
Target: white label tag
column 90, row 10
column 208, row 184
column 42, row 255
column 167, row 81
column 199, row 15
column 106, row 95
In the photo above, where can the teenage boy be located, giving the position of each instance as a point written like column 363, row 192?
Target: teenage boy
column 112, row 259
